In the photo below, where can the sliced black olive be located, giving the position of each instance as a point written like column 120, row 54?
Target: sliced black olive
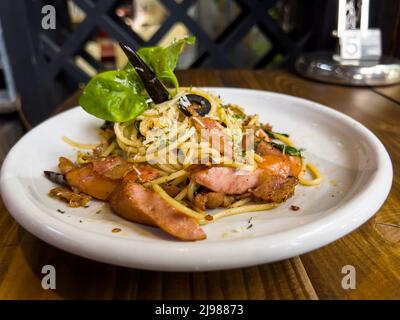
column 154, row 87
column 192, row 104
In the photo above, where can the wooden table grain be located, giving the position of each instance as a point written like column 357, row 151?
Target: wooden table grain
column 373, row 249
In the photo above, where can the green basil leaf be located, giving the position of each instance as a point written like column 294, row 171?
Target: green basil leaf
column 163, row 60
column 119, row 95
column 115, row 95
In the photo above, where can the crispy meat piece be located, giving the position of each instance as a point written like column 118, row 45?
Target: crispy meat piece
column 200, row 201
column 275, row 188
column 134, row 202
column 73, row 199
column 212, row 200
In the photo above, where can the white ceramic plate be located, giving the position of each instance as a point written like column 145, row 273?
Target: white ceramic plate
column 357, row 179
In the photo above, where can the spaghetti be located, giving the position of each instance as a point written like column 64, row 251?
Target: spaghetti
column 167, row 139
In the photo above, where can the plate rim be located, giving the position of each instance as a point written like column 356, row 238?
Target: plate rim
column 72, row 238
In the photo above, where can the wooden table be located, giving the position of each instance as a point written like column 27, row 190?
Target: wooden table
column 373, row 249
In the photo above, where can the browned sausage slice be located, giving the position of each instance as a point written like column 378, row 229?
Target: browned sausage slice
column 86, row 180
column 134, row 202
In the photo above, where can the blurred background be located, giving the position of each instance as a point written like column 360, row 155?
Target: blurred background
column 45, row 66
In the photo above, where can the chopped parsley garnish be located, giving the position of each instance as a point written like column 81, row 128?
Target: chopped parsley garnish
column 61, row 211
column 98, row 211
column 291, row 151
column 249, row 224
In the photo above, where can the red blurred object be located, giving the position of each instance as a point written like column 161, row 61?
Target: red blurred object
column 106, row 46
column 107, row 51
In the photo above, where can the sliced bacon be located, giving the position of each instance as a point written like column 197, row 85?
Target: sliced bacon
column 134, row 202
column 226, row 180
column 230, row 181
column 275, row 165
column 277, row 162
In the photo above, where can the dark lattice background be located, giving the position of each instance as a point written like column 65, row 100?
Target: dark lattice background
column 45, row 65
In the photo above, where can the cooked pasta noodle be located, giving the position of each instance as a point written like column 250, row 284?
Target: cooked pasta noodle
column 182, row 195
column 285, row 140
column 177, row 174
column 317, row 176
column 109, row 149
column 240, row 203
column 176, row 204
column 78, row 145
column 191, row 190
column 311, row 167
column 241, row 209
column 165, row 138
